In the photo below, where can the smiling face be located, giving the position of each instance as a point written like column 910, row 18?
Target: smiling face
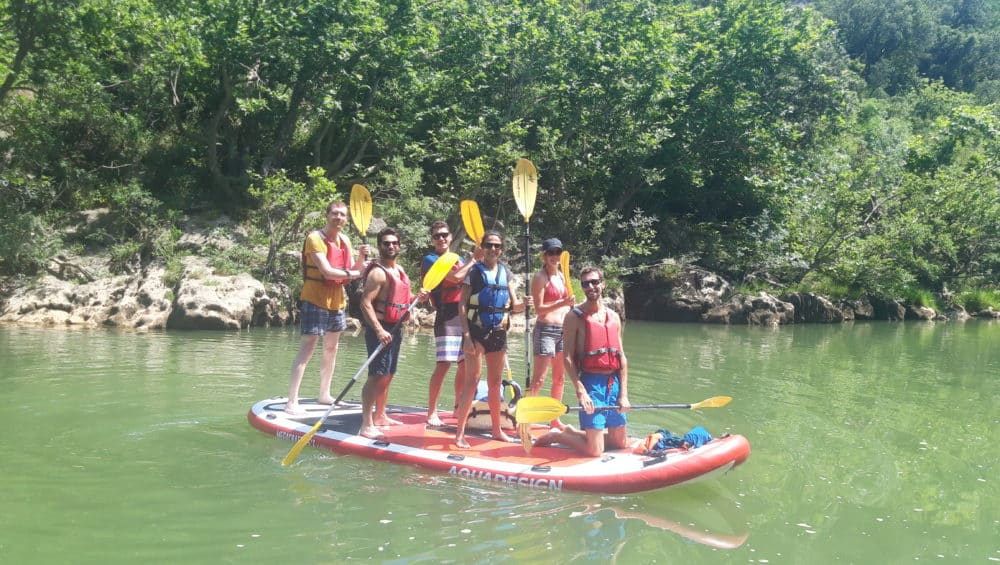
column 592, row 282
column 441, row 239
column 336, row 215
column 492, row 248
column 388, row 246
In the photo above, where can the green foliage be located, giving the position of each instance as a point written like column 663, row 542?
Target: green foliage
column 282, row 207
column 737, row 132
column 398, row 202
column 908, row 199
column 978, row 299
column 900, row 42
column 920, row 297
column 637, row 248
column 26, row 239
column 139, row 229
column 173, row 272
column 826, row 287
column 126, row 256
column 235, row 260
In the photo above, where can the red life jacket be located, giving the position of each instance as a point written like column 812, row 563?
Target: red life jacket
column 602, row 344
column 447, row 292
column 398, row 304
column 338, row 257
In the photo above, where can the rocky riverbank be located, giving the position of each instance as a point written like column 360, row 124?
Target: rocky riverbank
column 80, row 289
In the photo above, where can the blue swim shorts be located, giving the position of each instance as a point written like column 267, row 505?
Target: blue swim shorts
column 603, row 390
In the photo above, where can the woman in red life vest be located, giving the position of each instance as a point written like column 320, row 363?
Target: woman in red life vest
column 327, row 266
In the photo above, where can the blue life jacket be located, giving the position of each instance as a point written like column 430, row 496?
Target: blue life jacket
column 488, row 308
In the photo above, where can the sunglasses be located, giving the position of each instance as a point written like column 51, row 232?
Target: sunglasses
column 441, row 235
column 589, row 283
column 492, row 246
column 553, row 252
column 389, row 243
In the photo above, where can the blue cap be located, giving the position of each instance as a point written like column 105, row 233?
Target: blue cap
column 552, row 243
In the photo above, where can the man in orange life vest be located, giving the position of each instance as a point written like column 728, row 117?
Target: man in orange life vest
column 326, row 267
column 384, row 303
column 596, row 363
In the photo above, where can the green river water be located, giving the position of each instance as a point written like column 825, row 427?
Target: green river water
column 872, row 443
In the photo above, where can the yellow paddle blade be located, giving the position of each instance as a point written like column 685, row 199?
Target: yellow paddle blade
column 301, row 444
column 538, row 410
column 564, row 265
column 714, row 402
column 472, row 221
column 439, row 270
column 524, row 430
column 361, row 208
column 525, row 187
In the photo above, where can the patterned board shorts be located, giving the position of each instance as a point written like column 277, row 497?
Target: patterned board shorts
column 448, row 341
column 318, row 321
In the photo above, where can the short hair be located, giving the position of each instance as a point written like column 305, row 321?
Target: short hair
column 387, row 231
column 438, row 224
column 335, row 204
column 591, row 269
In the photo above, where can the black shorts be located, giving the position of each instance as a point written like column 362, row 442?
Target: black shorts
column 493, row 340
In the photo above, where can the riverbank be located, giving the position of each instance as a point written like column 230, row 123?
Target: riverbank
column 190, row 290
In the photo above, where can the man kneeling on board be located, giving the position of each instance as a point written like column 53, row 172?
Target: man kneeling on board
column 596, row 363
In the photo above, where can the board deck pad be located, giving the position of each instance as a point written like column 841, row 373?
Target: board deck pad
column 413, row 442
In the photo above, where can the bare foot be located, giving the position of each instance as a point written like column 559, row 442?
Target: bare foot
column 434, row 420
column 371, row 433
column 505, row 438
column 462, row 443
column 556, row 424
column 547, row 438
column 387, row 421
column 294, row 410
column 328, row 400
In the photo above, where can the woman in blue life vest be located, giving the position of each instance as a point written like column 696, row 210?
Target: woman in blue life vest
column 595, row 361
column 327, row 265
column 488, row 298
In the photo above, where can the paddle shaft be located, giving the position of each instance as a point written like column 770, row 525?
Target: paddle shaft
column 527, row 293
column 637, row 407
column 304, row 440
column 378, row 349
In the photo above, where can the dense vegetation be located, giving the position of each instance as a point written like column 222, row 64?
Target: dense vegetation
column 849, row 146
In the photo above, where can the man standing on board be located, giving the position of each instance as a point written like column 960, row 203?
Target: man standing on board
column 595, row 361
column 326, row 268
column 384, row 304
column 447, row 325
